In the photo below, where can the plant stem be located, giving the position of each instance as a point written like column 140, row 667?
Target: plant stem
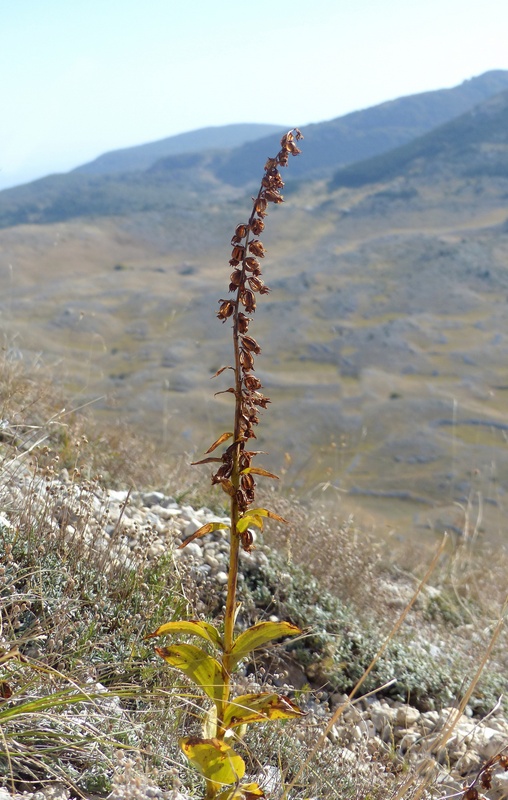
column 234, row 546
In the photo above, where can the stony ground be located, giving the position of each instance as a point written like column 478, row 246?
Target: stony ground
column 372, row 733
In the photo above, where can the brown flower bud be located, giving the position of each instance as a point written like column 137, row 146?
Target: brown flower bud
column 264, row 290
column 260, row 400
column 236, row 277
column 256, row 284
column 256, row 247
column 238, row 252
column 243, row 323
column 248, row 300
column 234, row 262
column 251, row 383
column 273, row 196
column 226, row 309
column 253, row 265
column 248, row 482
column 241, row 231
column 246, row 360
column 261, row 206
column 293, row 149
column 257, row 226
column 247, row 539
column 250, row 344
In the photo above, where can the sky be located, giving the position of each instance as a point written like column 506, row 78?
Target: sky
column 83, row 77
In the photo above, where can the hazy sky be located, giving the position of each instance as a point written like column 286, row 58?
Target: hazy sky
column 81, row 77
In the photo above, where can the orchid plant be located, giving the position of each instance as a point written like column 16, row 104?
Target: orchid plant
column 211, row 666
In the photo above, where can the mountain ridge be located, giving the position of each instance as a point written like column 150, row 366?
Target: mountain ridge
column 226, row 173
column 143, row 156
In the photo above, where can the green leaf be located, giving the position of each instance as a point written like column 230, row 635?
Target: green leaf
column 201, row 668
column 193, row 626
column 257, row 636
column 215, row 760
column 246, row 791
column 248, row 708
column 203, row 530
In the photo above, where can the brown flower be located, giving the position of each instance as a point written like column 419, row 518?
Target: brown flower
column 256, row 248
column 250, row 344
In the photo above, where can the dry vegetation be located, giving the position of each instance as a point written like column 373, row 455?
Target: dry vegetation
column 84, row 686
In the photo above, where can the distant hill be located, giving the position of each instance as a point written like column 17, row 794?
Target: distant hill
column 474, row 144
column 143, row 156
column 366, row 133
column 147, row 182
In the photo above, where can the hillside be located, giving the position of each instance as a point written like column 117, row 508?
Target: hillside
column 368, row 132
column 384, row 334
column 142, row 156
column 150, row 183
column 473, row 145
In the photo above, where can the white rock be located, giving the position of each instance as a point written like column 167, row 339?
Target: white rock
column 407, row 716
column 488, row 742
column 192, row 550
column 499, row 786
column 221, row 578
column 192, row 526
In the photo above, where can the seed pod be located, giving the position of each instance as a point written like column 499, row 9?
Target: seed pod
column 250, row 344
column 248, row 482
column 238, row 252
column 253, row 265
column 256, row 284
column 273, row 196
column 256, row 247
column 248, row 300
column 243, row 323
column 226, row 309
column 252, row 383
column 260, row 400
column 246, row 360
column 236, row 277
column 247, row 540
column 241, row 231
column 261, row 206
column 257, row 226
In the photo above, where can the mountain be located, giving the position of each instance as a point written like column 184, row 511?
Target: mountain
column 101, row 189
column 384, row 337
column 143, row 156
column 472, row 145
column 366, row 133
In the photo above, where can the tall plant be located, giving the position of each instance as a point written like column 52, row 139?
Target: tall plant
column 213, row 753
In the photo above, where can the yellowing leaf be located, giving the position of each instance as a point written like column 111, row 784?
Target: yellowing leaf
column 263, row 512
column 202, row 531
column 248, row 708
column 215, row 760
column 222, row 438
column 193, row 626
column 201, row 668
column 210, row 723
column 246, row 791
column 247, row 520
column 259, row 471
column 257, row 636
